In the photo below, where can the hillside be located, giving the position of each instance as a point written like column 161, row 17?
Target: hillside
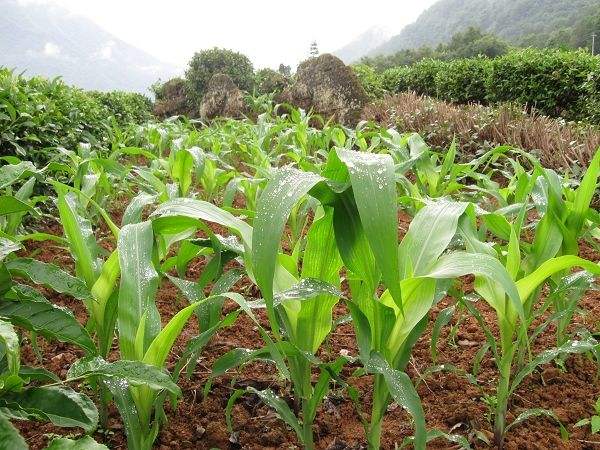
column 47, row 40
column 518, row 21
column 363, row 44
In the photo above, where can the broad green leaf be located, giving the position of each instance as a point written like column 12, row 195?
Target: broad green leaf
column 27, row 308
column 137, row 292
column 11, row 205
column 11, row 349
column 50, row 276
column 201, row 210
column 135, row 373
column 529, row 283
column 285, row 188
column 319, row 284
column 428, row 236
column 374, row 186
column 79, row 233
column 85, row 443
column 10, row 439
column 133, row 212
column 61, row 405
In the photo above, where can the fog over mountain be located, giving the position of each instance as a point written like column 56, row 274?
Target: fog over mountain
column 363, row 44
column 44, row 39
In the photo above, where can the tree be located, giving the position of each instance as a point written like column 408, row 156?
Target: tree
column 206, row 63
column 314, row 50
column 284, row 70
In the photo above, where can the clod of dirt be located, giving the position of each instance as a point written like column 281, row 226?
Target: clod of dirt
column 222, row 99
column 328, row 87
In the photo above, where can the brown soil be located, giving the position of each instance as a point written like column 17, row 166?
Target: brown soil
column 449, row 401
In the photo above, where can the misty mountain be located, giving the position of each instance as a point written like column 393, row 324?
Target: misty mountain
column 363, row 44
column 44, row 39
column 522, row 22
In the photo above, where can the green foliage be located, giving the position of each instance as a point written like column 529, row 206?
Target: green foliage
column 556, row 83
column 371, row 81
column 126, row 107
column 395, row 79
column 463, row 80
column 37, row 115
column 551, row 81
column 268, row 81
column 421, row 78
column 206, row 63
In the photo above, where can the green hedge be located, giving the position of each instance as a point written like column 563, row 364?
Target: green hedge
column 370, row 80
column 556, row 83
column 37, row 115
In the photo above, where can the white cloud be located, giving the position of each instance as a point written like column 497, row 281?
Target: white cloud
column 51, row 49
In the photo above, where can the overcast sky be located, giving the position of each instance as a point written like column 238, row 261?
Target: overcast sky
column 268, row 31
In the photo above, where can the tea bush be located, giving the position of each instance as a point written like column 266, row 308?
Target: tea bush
column 557, row 83
column 37, row 115
column 371, row 81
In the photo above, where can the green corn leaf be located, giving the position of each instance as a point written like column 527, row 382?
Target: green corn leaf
column 229, row 408
column 79, row 233
column 458, row 264
column 321, row 265
column 429, row 235
column 11, row 349
column 182, row 170
column 27, row 308
column 135, row 373
column 537, row 412
column 12, row 205
column 584, row 195
column 529, row 283
column 60, row 405
column 159, row 348
column 374, row 185
column 50, row 276
column 10, row 437
column 133, row 212
column 281, row 408
column 402, row 390
column 85, row 443
column 443, row 318
column 139, row 284
column 105, row 304
column 7, row 247
column 286, row 187
column 570, row 347
column 201, row 210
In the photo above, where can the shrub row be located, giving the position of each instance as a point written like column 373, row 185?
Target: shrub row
column 38, row 115
column 556, row 83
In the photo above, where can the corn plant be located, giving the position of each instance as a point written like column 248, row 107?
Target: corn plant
column 515, row 316
column 360, row 195
column 47, row 398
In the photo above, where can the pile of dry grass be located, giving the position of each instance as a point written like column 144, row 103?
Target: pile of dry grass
column 557, row 143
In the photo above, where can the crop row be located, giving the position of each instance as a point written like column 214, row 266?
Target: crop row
column 331, row 198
